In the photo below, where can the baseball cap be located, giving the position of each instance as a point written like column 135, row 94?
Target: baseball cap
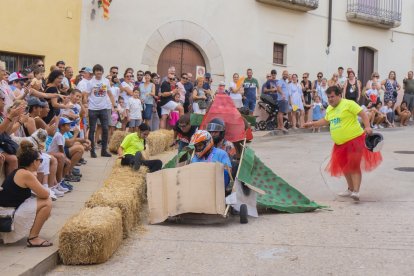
column 64, row 121
column 207, row 75
column 86, row 69
column 16, row 76
column 33, row 101
column 222, row 83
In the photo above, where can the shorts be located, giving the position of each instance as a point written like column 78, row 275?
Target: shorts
column 134, row 123
column 67, row 153
column 283, row 106
column 168, row 107
column 45, row 165
column 409, row 98
column 147, row 114
column 250, row 103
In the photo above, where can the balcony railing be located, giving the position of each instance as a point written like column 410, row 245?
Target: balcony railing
column 378, row 13
column 300, row 5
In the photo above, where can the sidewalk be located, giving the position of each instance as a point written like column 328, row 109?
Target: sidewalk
column 17, row 259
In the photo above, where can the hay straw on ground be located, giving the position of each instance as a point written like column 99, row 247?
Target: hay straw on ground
column 125, row 198
column 116, row 140
column 91, row 237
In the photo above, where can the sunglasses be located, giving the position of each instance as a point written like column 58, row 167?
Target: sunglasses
column 319, row 76
column 172, row 79
column 183, row 78
column 304, row 77
column 114, row 73
column 40, row 65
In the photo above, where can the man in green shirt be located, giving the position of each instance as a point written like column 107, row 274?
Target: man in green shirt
column 409, row 91
column 251, row 91
column 130, row 151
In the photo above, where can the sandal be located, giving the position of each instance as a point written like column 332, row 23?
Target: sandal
column 45, row 243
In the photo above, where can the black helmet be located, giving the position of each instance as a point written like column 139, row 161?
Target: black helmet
column 374, row 142
column 217, row 124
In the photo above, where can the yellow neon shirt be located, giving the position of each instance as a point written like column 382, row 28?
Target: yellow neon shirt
column 343, row 121
column 132, row 144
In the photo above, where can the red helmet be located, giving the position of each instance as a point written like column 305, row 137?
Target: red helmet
column 202, row 141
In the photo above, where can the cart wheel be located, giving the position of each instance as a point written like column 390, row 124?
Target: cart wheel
column 243, row 214
column 262, row 125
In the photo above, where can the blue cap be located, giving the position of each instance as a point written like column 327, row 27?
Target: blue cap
column 64, row 121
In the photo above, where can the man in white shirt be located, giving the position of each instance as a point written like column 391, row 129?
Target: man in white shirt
column 341, row 78
column 98, row 91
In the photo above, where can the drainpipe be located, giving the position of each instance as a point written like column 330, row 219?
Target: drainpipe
column 328, row 44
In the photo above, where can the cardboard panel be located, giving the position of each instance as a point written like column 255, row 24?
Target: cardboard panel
column 195, row 188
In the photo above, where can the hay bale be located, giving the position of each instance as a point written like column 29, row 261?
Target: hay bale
column 91, row 237
column 125, row 198
column 159, row 141
column 116, row 140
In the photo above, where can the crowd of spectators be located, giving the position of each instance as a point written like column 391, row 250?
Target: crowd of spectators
column 56, row 117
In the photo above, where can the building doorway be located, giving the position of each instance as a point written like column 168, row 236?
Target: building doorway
column 181, row 54
column 365, row 64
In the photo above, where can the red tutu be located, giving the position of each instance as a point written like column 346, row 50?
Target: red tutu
column 352, row 157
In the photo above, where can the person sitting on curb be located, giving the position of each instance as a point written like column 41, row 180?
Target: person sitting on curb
column 206, row 152
column 31, row 212
column 130, row 151
column 183, row 130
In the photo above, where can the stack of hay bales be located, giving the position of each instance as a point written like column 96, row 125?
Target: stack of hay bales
column 157, row 142
column 91, row 237
column 113, row 211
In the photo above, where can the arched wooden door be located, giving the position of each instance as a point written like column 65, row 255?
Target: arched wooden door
column 365, row 64
column 181, row 54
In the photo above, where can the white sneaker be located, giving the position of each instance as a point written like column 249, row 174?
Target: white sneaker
column 345, row 194
column 355, row 196
column 57, row 192
column 51, row 193
column 62, row 189
column 380, row 126
column 375, row 126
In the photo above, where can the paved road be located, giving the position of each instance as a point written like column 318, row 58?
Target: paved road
column 373, row 237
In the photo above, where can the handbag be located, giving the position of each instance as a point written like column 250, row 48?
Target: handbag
column 7, row 144
column 395, row 93
column 6, row 219
column 202, row 104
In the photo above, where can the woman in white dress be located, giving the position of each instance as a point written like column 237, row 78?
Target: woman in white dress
column 296, row 101
column 236, row 93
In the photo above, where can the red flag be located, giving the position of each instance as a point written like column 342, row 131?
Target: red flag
column 224, row 108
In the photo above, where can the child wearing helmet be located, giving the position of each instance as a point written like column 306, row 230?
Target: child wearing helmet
column 206, row 152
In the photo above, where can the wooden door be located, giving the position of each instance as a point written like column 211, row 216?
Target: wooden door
column 365, row 64
column 181, row 54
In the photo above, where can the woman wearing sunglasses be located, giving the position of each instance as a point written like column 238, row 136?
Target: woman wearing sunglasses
column 31, row 212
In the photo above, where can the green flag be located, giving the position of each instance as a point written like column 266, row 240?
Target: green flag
column 183, row 155
column 279, row 194
column 196, row 119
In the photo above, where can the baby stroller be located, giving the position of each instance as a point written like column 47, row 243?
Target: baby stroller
column 271, row 107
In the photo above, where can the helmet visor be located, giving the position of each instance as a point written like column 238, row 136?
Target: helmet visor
column 215, row 127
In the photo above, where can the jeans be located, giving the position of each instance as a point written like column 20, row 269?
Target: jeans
column 153, row 165
column 250, row 102
column 391, row 117
column 102, row 115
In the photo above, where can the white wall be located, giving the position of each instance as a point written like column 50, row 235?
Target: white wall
column 244, row 32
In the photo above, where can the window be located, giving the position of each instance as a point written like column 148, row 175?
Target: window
column 15, row 62
column 279, row 53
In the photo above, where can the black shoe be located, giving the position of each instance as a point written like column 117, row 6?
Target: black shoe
column 93, row 154
column 83, row 161
column 106, row 154
column 137, row 161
